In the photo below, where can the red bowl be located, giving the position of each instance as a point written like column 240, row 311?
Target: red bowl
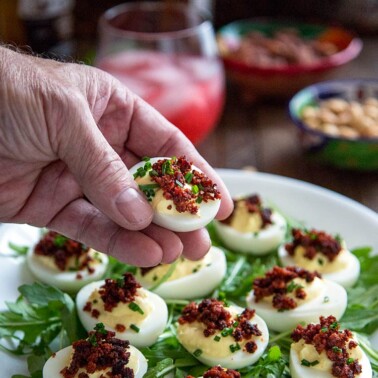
column 286, row 79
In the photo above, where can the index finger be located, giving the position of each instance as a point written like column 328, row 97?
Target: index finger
column 152, row 135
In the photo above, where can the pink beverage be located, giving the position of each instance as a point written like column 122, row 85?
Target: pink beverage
column 187, row 90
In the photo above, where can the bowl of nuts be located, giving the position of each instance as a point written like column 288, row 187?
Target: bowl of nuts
column 338, row 122
column 267, row 58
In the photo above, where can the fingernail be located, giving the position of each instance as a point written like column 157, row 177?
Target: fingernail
column 135, row 208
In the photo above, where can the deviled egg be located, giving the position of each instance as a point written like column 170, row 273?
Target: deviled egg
column 219, row 371
column 100, row 355
column 124, row 307
column 65, row 263
column 285, row 297
column 322, row 350
column 252, row 228
column 183, row 198
column 320, row 251
column 218, row 335
column 186, row 279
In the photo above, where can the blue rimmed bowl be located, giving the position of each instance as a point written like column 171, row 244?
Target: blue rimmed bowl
column 358, row 154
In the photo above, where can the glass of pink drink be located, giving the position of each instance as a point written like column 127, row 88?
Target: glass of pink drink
column 167, row 54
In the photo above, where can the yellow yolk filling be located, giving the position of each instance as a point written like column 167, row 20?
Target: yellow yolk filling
column 121, row 314
column 244, row 221
column 313, row 290
column 320, row 262
column 183, row 268
column 159, row 203
column 72, row 262
column 309, row 353
column 191, row 335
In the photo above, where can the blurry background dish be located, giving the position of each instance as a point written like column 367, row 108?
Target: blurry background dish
column 338, row 122
column 276, row 59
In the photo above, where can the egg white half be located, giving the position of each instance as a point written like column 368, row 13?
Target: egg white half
column 259, row 243
column 67, row 280
column 346, row 277
column 61, row 359
column 197, row 284
column 183, row 222
column 331, row 301
column 149, row 330
column 238, row 359
column 297, row 370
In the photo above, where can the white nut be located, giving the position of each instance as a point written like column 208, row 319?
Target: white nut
column 337, row 105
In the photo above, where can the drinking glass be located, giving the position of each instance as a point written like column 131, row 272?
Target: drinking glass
column 167, row 54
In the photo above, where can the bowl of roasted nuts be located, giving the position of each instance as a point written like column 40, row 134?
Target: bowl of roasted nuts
column 267, row 58
column 337, row 122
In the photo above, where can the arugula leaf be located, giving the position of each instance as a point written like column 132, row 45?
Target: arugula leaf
column 161, row 369
column 18, row 249
column 40, row 315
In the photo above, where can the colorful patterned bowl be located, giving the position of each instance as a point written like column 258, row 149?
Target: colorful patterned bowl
column 256, row 81
column 356, row 154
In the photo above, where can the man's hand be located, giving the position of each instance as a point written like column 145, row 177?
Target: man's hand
column 67, row 134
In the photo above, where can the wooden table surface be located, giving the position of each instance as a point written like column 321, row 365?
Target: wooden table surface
column 262, row 135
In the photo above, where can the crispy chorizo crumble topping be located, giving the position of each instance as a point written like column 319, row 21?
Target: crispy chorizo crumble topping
column 212, row 313
column 314, row 242
column 219, row 372
column 114, row 292
column 100, row 352
column 184, row 186
column 327, row 337
column 278, row 282
column 62, row 249
column 254, row 205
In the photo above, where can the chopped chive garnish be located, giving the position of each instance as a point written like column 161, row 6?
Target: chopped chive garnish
column 334, row 325
column 197, row 352
column 99, row 327
column 153, row 172
column 134, row 328
column 60, row 240
column 350, row 360
column 189, row 177
column 166, row 168
column 134, row 307
column 336, row 349
column 227, row 332
column 324, row 329
column 146, row 158
column 305, row 362
column 293, row 286
column 234, row 348
column 217, row 338
column 199, row 199
column 195, row 189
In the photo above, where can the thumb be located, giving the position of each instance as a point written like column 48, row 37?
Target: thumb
column 102, row 175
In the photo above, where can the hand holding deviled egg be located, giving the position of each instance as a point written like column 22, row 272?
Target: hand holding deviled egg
column 183, row 198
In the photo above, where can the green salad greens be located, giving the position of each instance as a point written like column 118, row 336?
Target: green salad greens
column 44, row 318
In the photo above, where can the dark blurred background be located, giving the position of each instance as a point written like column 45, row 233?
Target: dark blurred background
column 71, row 27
